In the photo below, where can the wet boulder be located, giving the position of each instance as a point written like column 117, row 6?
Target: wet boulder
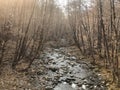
column 64, row 87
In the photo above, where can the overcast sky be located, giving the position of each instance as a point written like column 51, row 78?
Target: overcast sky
column 62, row 2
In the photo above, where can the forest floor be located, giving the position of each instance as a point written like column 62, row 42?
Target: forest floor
column 58, row 69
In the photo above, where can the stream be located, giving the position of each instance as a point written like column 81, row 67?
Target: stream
column 64, row 73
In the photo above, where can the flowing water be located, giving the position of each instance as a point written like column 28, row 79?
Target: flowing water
column 64, row 73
